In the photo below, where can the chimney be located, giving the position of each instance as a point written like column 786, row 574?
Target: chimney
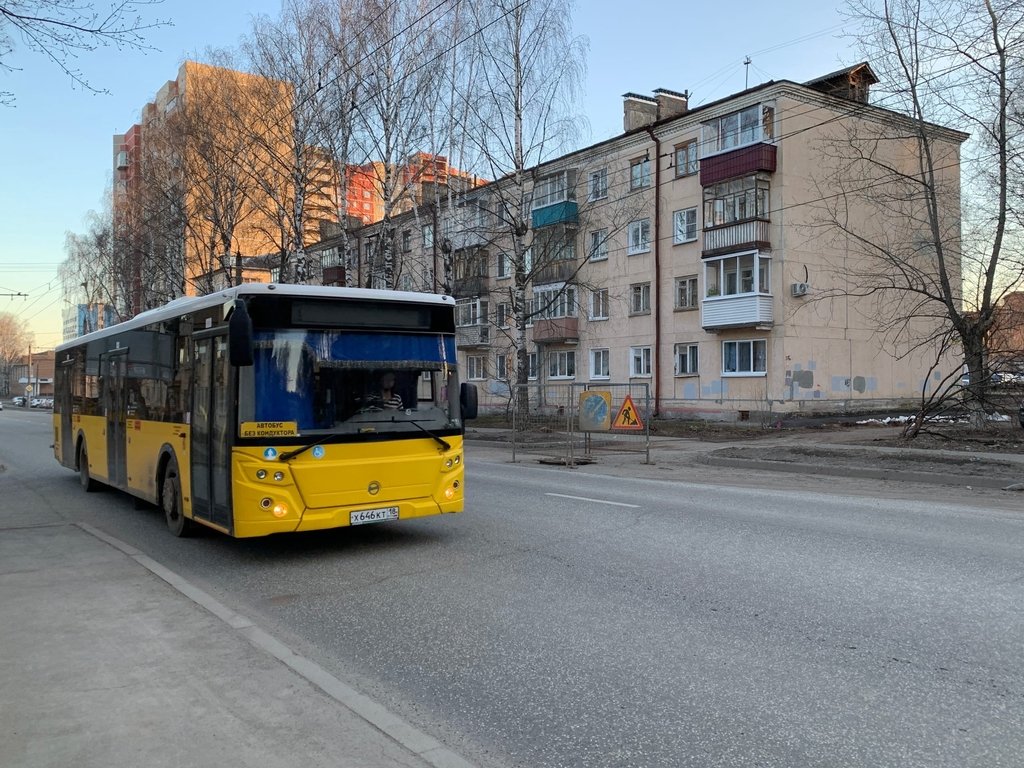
column 638, row 111
column 671, row 103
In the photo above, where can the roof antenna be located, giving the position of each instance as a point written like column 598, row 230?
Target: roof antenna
column 746, row 75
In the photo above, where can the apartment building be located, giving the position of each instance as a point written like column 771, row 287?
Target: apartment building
column 707, row 252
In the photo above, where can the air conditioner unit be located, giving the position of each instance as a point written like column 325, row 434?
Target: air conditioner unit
column 800, row 289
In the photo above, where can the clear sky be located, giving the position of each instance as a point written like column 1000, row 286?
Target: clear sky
column 57, row 138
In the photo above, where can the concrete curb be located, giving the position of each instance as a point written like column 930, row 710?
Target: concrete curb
column 421, row 744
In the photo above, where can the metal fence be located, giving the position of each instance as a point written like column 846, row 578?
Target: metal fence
column 572, row 422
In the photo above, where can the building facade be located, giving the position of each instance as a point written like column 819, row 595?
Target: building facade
column 697, row 252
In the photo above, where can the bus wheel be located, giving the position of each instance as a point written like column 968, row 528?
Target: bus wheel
column 170, row 501
column 88, row 484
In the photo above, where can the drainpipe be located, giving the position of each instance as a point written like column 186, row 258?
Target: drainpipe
column 657, row 273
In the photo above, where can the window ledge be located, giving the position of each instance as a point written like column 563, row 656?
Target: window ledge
column 685, row 309
column 645, row 313
column 687, row 375
column 744, row 374
column 637, row 253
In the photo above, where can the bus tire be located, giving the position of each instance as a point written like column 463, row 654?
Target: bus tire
column 170, row 502
column 88, row 484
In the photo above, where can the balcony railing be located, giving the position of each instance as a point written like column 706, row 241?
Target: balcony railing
column 739, row 162
column 742, row 311
column 744, row 235
column 553, row 330
column 470, row 286
column 556, row 272
column 473, row 335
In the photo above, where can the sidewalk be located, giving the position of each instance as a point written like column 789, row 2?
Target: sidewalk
column 107, row 660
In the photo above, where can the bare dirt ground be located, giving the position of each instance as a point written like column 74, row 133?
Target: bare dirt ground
column 948, row 449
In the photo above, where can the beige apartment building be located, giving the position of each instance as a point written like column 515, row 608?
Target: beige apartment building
column 716, row 254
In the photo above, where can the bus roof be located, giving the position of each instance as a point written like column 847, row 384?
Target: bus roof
column 187, row 304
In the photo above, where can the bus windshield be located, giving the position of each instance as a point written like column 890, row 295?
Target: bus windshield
column 354, row 382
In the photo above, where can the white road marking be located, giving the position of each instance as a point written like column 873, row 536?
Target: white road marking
column 596, row 501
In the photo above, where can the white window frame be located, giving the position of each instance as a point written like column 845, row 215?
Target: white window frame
column 598, row 304
column 598, row 250
column 684, row 226
column 750, row 125
column 739, row 274
column 687, row 358
column 501, row 366
column 687, row 295
column 597, row 184
column 640, row 299
column 476, row 367
column 555, row 301
column 531, row 365
column 561, row 364
column 551, row 189
column 600, row 363
column 639, row 237
column 754, row 350
column 502, row 313
column 640, row 362
column 501, row 268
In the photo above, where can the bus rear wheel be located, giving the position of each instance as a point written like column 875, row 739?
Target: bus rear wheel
column 170, row 501
column 88, row 484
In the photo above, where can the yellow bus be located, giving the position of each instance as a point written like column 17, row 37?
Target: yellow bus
column 270, row 408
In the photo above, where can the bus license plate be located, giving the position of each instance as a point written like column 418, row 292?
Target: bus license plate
column 363, row 516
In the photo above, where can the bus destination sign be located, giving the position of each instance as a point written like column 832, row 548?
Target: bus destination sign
column 269, row 428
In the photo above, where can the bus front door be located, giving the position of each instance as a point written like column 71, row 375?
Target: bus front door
column 114, row 365
column 66, row 372
column 211, row 436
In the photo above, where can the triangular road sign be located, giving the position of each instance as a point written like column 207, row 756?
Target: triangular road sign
column 628, row 417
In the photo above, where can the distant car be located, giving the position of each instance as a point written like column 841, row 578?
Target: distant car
column 1, row 406
column 34, row 402
column 20, row 401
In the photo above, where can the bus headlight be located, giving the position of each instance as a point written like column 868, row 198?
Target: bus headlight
column 279, row 476
column 260, row 474
column 448, row 464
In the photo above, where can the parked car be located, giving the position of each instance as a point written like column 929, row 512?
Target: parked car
column 20, row 401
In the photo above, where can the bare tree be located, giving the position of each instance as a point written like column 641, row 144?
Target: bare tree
column 521, row 114
column 15, row 338
column 62, row 31
column 892, row 189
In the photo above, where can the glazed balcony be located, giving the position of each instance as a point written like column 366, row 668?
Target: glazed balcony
column 565, row 212
column 473, row 335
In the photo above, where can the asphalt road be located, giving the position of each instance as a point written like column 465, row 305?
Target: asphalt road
column 575, row 620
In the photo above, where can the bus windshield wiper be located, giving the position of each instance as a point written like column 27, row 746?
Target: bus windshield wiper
column 292, row 454
column 441, row 440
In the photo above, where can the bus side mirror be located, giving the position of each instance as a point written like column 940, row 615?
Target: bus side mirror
column 240, row 335
column 467, row 399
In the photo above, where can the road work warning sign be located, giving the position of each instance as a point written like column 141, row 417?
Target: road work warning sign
column 628, row 417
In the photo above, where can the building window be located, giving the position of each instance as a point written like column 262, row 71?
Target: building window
column 502, row 264
column 744, row 357
column 686, row 359
column 639, row 234
column 686, row 158
column 406, row 240
column 639, row 361
column 640, row 298
column 599, row 364
column 503, row 314
column 748, row 126
column 554, row 302
column 684, row 226
column 470, row 312
column 531, row 365
column 598, row 188
column 598, row 250
column 640, row 173
column 733, row 201
column 737, row 275
column 599, row 304
column 686, row 292
column 427, row 232
column 562, row 364
column 476, row 367
column 550, row 190
column 501, row 366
